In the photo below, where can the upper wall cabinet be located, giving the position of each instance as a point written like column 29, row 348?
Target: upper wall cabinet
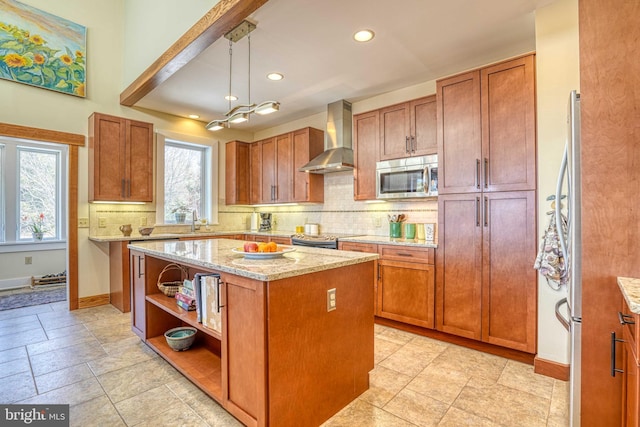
column 366, row 129
column 237, row 158
column 120, row 159
column 408, row 129
column 486, row 129
column 266, row 171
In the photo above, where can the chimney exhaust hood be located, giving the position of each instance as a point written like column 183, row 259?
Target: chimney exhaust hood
column 338, row 154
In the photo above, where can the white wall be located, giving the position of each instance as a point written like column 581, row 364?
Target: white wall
column 557, row 74
column 152, row 26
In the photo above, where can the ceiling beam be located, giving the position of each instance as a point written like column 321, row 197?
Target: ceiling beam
column 222, row 18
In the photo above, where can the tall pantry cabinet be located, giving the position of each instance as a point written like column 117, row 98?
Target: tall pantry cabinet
column 486, row 288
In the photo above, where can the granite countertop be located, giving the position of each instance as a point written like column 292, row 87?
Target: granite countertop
column 630, row 288
column 203, row 234
column 216, row 254
column 386, row 240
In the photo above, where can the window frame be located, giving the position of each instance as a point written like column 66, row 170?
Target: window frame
column 10, row 240
column 209, row 176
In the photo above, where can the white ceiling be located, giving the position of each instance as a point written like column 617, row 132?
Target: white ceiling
column 310, row 42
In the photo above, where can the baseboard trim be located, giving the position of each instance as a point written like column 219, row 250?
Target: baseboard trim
column 93, row 301
column 464, row 342
column 552, row 369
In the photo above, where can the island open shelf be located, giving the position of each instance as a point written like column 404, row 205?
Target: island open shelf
column 169, row 305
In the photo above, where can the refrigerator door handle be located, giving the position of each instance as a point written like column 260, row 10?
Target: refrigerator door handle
column 563, row 170
column 559, row 315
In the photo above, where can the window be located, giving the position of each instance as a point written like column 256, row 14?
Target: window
column 187, row 180
column 33, row 190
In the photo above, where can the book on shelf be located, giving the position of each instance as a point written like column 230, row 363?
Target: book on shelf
column 190, row 292
column 183, row 305
column 197, row 281
column 211, row 302
column 186, row 299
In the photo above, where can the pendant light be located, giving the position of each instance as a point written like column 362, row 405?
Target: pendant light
column 241, row 113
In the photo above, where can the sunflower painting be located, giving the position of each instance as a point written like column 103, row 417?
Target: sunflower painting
column 40, row 49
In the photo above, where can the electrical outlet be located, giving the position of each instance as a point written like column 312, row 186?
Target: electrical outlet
column 83, row 222
column 102, row 222
column 377, row 221
column 331, row 299
column 28, row 260
column 143, row 221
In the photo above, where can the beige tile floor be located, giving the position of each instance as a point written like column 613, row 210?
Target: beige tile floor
column 91, row 360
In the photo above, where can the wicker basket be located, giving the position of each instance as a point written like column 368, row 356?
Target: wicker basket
column 170, row 288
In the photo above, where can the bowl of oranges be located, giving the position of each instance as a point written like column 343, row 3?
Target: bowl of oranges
column 262, row 250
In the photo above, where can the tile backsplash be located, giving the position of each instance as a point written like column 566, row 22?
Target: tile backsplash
column 338, row 214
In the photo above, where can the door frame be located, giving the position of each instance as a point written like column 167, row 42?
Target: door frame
column 74, row 141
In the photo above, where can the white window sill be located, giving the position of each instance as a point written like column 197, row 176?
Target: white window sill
column 30, row 246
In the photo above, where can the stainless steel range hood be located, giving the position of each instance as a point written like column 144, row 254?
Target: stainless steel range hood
column 338, row 154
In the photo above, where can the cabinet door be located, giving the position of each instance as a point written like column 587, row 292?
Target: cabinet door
column 139, row 161
column 366, row 129
column 630, row 389
column 307, row 144
column 284, row 168
column 405, row 292
column 459, row 133
column 508, row 126
column 395, row 135
column 137, row 277
column 106, row 158
column 237, row 187
column 268, row 173
column 459, row 265
column 255, row 173
column 244, row 350
column 423, row 126
column 509, row 294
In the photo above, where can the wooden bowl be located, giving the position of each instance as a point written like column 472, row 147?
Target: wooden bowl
column 145, row 231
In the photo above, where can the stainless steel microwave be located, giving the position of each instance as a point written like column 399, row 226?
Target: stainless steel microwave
column 408, row 178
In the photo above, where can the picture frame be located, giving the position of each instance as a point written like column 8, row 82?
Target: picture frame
column 42, row 50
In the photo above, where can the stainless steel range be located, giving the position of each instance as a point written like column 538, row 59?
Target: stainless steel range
column 326, row 241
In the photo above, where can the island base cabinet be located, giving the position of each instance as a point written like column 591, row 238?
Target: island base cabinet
column 319, row 359
column 283, row 356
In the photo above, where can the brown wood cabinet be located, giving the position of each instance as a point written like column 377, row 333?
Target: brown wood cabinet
column 486, row 129
column 366, row 129
column 307, row 144
column 408, row 129
column 273, row 175
column 405, row 290
column 120, row 159
column 237, row 173
column 630, row 366
column 264, row 238
column 405, row 286
column 486, row 289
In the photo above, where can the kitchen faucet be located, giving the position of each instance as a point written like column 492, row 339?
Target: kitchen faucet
column 194, row 218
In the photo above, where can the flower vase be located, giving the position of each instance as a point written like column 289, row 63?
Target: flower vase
column 37, row 236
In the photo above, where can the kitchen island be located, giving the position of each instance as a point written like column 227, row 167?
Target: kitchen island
column 284, row 356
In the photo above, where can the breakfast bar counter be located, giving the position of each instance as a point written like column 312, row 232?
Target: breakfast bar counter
column 296, row 339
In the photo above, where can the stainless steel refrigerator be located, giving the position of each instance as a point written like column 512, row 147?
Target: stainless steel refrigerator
column 571, row 245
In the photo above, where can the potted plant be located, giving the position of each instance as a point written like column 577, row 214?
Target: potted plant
column 37, row 227
column 180, row 213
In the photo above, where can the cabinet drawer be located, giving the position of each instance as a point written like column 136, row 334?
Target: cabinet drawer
column 358, row 247
column 280, row 240
column 407, row 253
column 630, row 328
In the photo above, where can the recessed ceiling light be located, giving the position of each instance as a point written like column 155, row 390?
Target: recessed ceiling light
column 231, row 98
column 275, row 76
column 194, row 116
column 363, row 35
